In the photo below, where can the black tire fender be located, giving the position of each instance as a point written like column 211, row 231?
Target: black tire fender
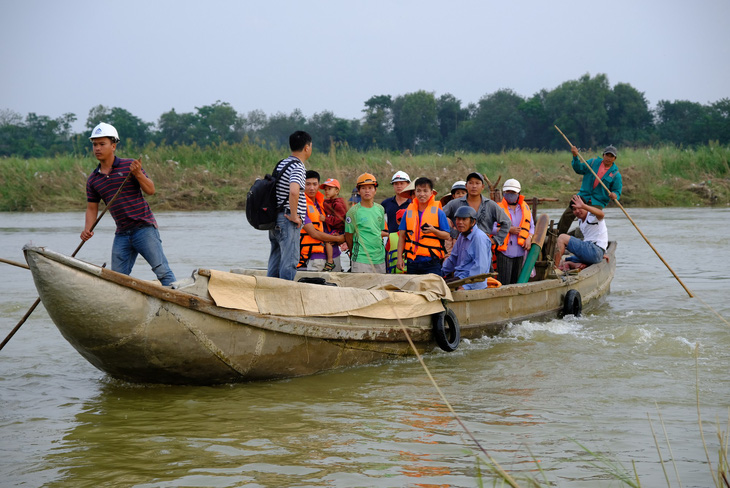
column 446, row 330
column 572, row 303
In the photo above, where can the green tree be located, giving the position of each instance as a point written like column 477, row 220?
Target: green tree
column 377, row 127
column 578, row 107
column 498, row 124
column 415, row 121
column 325, row 129
column 720, row 121
column 280, row 126
column 216, row 123
column 13, row 135
column 176, row 129
column 682, row 122
column 629, row 117
column 132, row 130
column 538, row 130
column 450, row 116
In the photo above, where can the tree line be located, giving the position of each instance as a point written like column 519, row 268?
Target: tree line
column 588, row 110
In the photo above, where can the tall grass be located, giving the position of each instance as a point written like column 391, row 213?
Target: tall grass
column 218, row 177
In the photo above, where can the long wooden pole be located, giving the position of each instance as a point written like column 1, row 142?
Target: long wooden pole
column 629, row 217
column 14, row 263
column 38, row 300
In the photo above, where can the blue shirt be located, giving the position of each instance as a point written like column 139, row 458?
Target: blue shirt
column 471, row 255
column 391, row 209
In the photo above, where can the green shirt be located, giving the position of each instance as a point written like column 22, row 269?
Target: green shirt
column 365, row 225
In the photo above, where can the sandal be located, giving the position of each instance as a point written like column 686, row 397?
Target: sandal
column 329, row 267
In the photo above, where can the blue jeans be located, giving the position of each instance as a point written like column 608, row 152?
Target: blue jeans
column 585, row 252
column 284, row 256
column 145, row 241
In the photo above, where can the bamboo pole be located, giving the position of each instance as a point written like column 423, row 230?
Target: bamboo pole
column 628, row 217
column 14, row 263
column 38, row 300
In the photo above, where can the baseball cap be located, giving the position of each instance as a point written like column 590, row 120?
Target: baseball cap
column 610, row 150
column 330, row 182
column 475, row 175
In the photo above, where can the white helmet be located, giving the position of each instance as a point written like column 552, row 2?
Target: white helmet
column 512, row 185
column 400, row 176
column 104, row 130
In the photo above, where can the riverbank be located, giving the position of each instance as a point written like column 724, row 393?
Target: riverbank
column 217, row 178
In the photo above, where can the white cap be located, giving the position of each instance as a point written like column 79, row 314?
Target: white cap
column 512, row 185
column 400, row 176
column 104, row 130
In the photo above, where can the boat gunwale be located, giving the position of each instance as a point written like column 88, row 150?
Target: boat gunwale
column 298, row 326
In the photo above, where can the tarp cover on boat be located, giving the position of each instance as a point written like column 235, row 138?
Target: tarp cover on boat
column 360, row 294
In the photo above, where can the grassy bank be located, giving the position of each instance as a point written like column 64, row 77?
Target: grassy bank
column 217, row 178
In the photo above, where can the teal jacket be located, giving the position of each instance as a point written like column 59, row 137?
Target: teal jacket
column 598, row 196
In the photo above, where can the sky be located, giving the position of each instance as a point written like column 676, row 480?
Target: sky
column 149, row 57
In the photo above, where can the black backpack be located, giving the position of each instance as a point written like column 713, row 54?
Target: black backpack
column 261, row 205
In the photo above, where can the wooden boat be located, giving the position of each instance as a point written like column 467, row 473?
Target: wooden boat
column 142, row 332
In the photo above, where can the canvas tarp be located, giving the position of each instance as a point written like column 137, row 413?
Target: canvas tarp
column 359, row 294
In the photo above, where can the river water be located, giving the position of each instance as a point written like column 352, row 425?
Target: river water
column 537, row 397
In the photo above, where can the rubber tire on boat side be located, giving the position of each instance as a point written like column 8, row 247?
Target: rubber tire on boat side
column 446, row 330
column 572, row 304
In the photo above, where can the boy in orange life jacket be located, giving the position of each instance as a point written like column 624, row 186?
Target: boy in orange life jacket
column 335, row 210
column 422, row 232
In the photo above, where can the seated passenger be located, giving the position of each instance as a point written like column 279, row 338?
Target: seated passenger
column 472, row 253
column 422, row 232
column 592, row 248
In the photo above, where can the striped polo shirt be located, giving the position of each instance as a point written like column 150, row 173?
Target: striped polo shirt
column 294, row 174
column 130, row 209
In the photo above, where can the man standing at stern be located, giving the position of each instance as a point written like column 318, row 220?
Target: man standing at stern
column 136, row 226
column 591, row 191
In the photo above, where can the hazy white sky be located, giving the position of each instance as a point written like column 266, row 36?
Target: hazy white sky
column 154, row 55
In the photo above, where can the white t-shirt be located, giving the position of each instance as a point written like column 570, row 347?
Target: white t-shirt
column 594, row 230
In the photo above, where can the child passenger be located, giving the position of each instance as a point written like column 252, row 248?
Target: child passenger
column 365, row 227
column 335, row 210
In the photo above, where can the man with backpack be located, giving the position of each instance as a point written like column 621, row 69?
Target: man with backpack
column 292, row 205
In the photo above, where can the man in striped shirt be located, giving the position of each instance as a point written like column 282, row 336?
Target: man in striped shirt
column 136, row 226
column 284, row 237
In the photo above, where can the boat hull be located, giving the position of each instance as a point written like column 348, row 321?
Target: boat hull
column 138, row 337
column 141, row 332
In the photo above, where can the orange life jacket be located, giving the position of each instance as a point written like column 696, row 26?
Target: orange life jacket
column 524, row 225
column 420, row 244
column 308, row 245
